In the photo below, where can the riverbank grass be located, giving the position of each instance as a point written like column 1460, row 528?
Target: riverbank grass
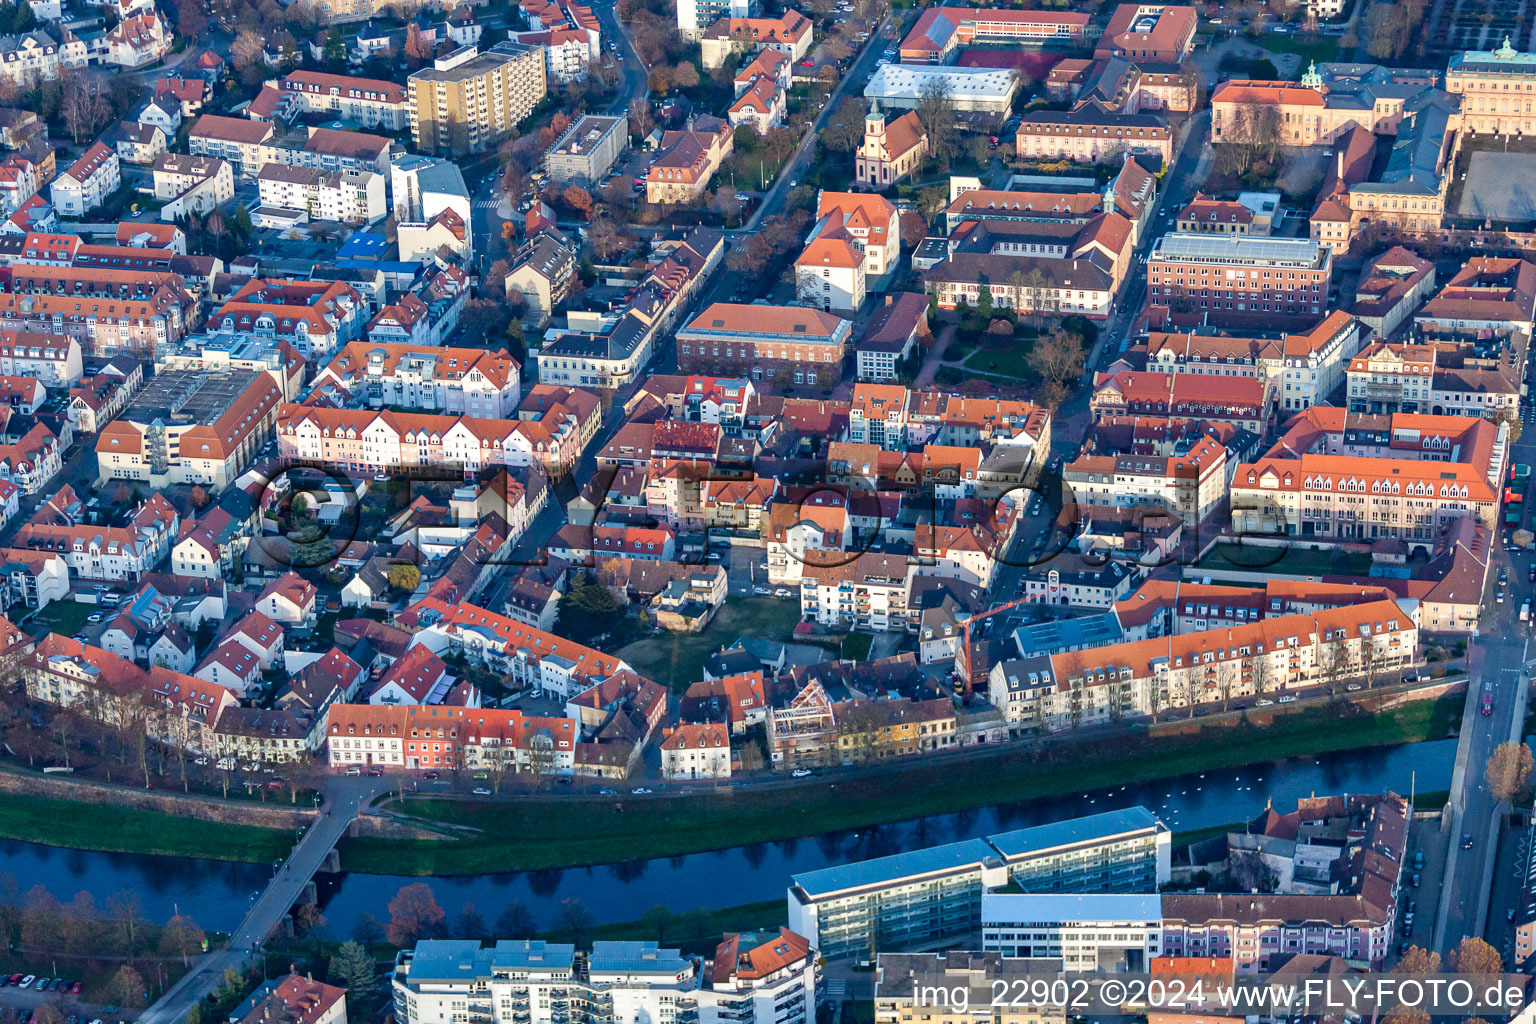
column 541, row 833
column 85, row 826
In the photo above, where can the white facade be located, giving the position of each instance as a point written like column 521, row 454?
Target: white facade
column 87, row 183
column 348, row 197
column 53, row 359
column 1082, row 929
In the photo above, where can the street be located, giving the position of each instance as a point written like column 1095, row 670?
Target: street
column 1497, row 653
column 345, row 797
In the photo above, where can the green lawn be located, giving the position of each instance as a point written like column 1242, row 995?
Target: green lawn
column 677, row 659
column 531, row 834
column 64, row 617
column 1321, row 49
column 1289, row 561
column 86, row 826
column 1009, row 362
column 856, row 646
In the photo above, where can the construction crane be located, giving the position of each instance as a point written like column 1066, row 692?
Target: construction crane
column 970, row 662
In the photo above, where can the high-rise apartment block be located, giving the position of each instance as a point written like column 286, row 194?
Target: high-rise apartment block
column 467, row 101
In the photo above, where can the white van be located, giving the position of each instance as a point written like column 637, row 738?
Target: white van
column 1525, row 612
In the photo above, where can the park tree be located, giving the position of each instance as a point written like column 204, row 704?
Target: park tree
column 1058, row 356
column 181, row 937
column 83, row 104
column 352, row 966
column 413, row 915
column 1508, row 770
column 936, row 112
column 516, row 921
column 844, row 130
column 368, row 930
column 931, row 202
column 125, row 909
column 578, row 200
column 404, row 576
column 685, row 75
column 587, row 608
column 127, row 988
column 469, row 924
column 417, row 49
column 575, row 919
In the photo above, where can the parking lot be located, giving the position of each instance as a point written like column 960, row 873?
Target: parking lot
column 1420, row 901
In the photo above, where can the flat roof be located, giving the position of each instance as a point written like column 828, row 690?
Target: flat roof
column 188, row 396
column 1018, row 908
column 634, row 957
column 1055, row 634
column 1025, row 841
column 1200, row 245
column 934, row 859
column 445, row 960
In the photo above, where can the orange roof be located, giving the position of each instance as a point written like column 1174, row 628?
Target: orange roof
column 1265, row 93
column 859, row 211
column 1186, row 650
column 831, row 252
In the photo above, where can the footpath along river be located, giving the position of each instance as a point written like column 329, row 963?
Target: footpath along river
column 216, row 893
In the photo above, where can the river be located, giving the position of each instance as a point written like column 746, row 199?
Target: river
column 216, row 893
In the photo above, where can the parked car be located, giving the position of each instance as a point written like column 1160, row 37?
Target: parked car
column 374, row 772
column 641, row 790
column 800, row 773
column 354, row 770
column 1466, row 840
column 482, row 791
column 1263, row 702
column 1287, row 699
column 14, row 979
column 74, row 988
column 1414, row 881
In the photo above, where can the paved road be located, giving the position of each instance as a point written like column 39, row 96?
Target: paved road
column 1497, row 654
column 855, row 78
column 345, row 796
column 632, row 69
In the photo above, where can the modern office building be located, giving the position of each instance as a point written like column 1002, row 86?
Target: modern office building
column 1236, row 279
column 1088, row 931
column 933, row 894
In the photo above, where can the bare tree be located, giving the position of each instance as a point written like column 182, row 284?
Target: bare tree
column 936, row 111
column 1509, row 770
column 83, row 104
column 1058, row 356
